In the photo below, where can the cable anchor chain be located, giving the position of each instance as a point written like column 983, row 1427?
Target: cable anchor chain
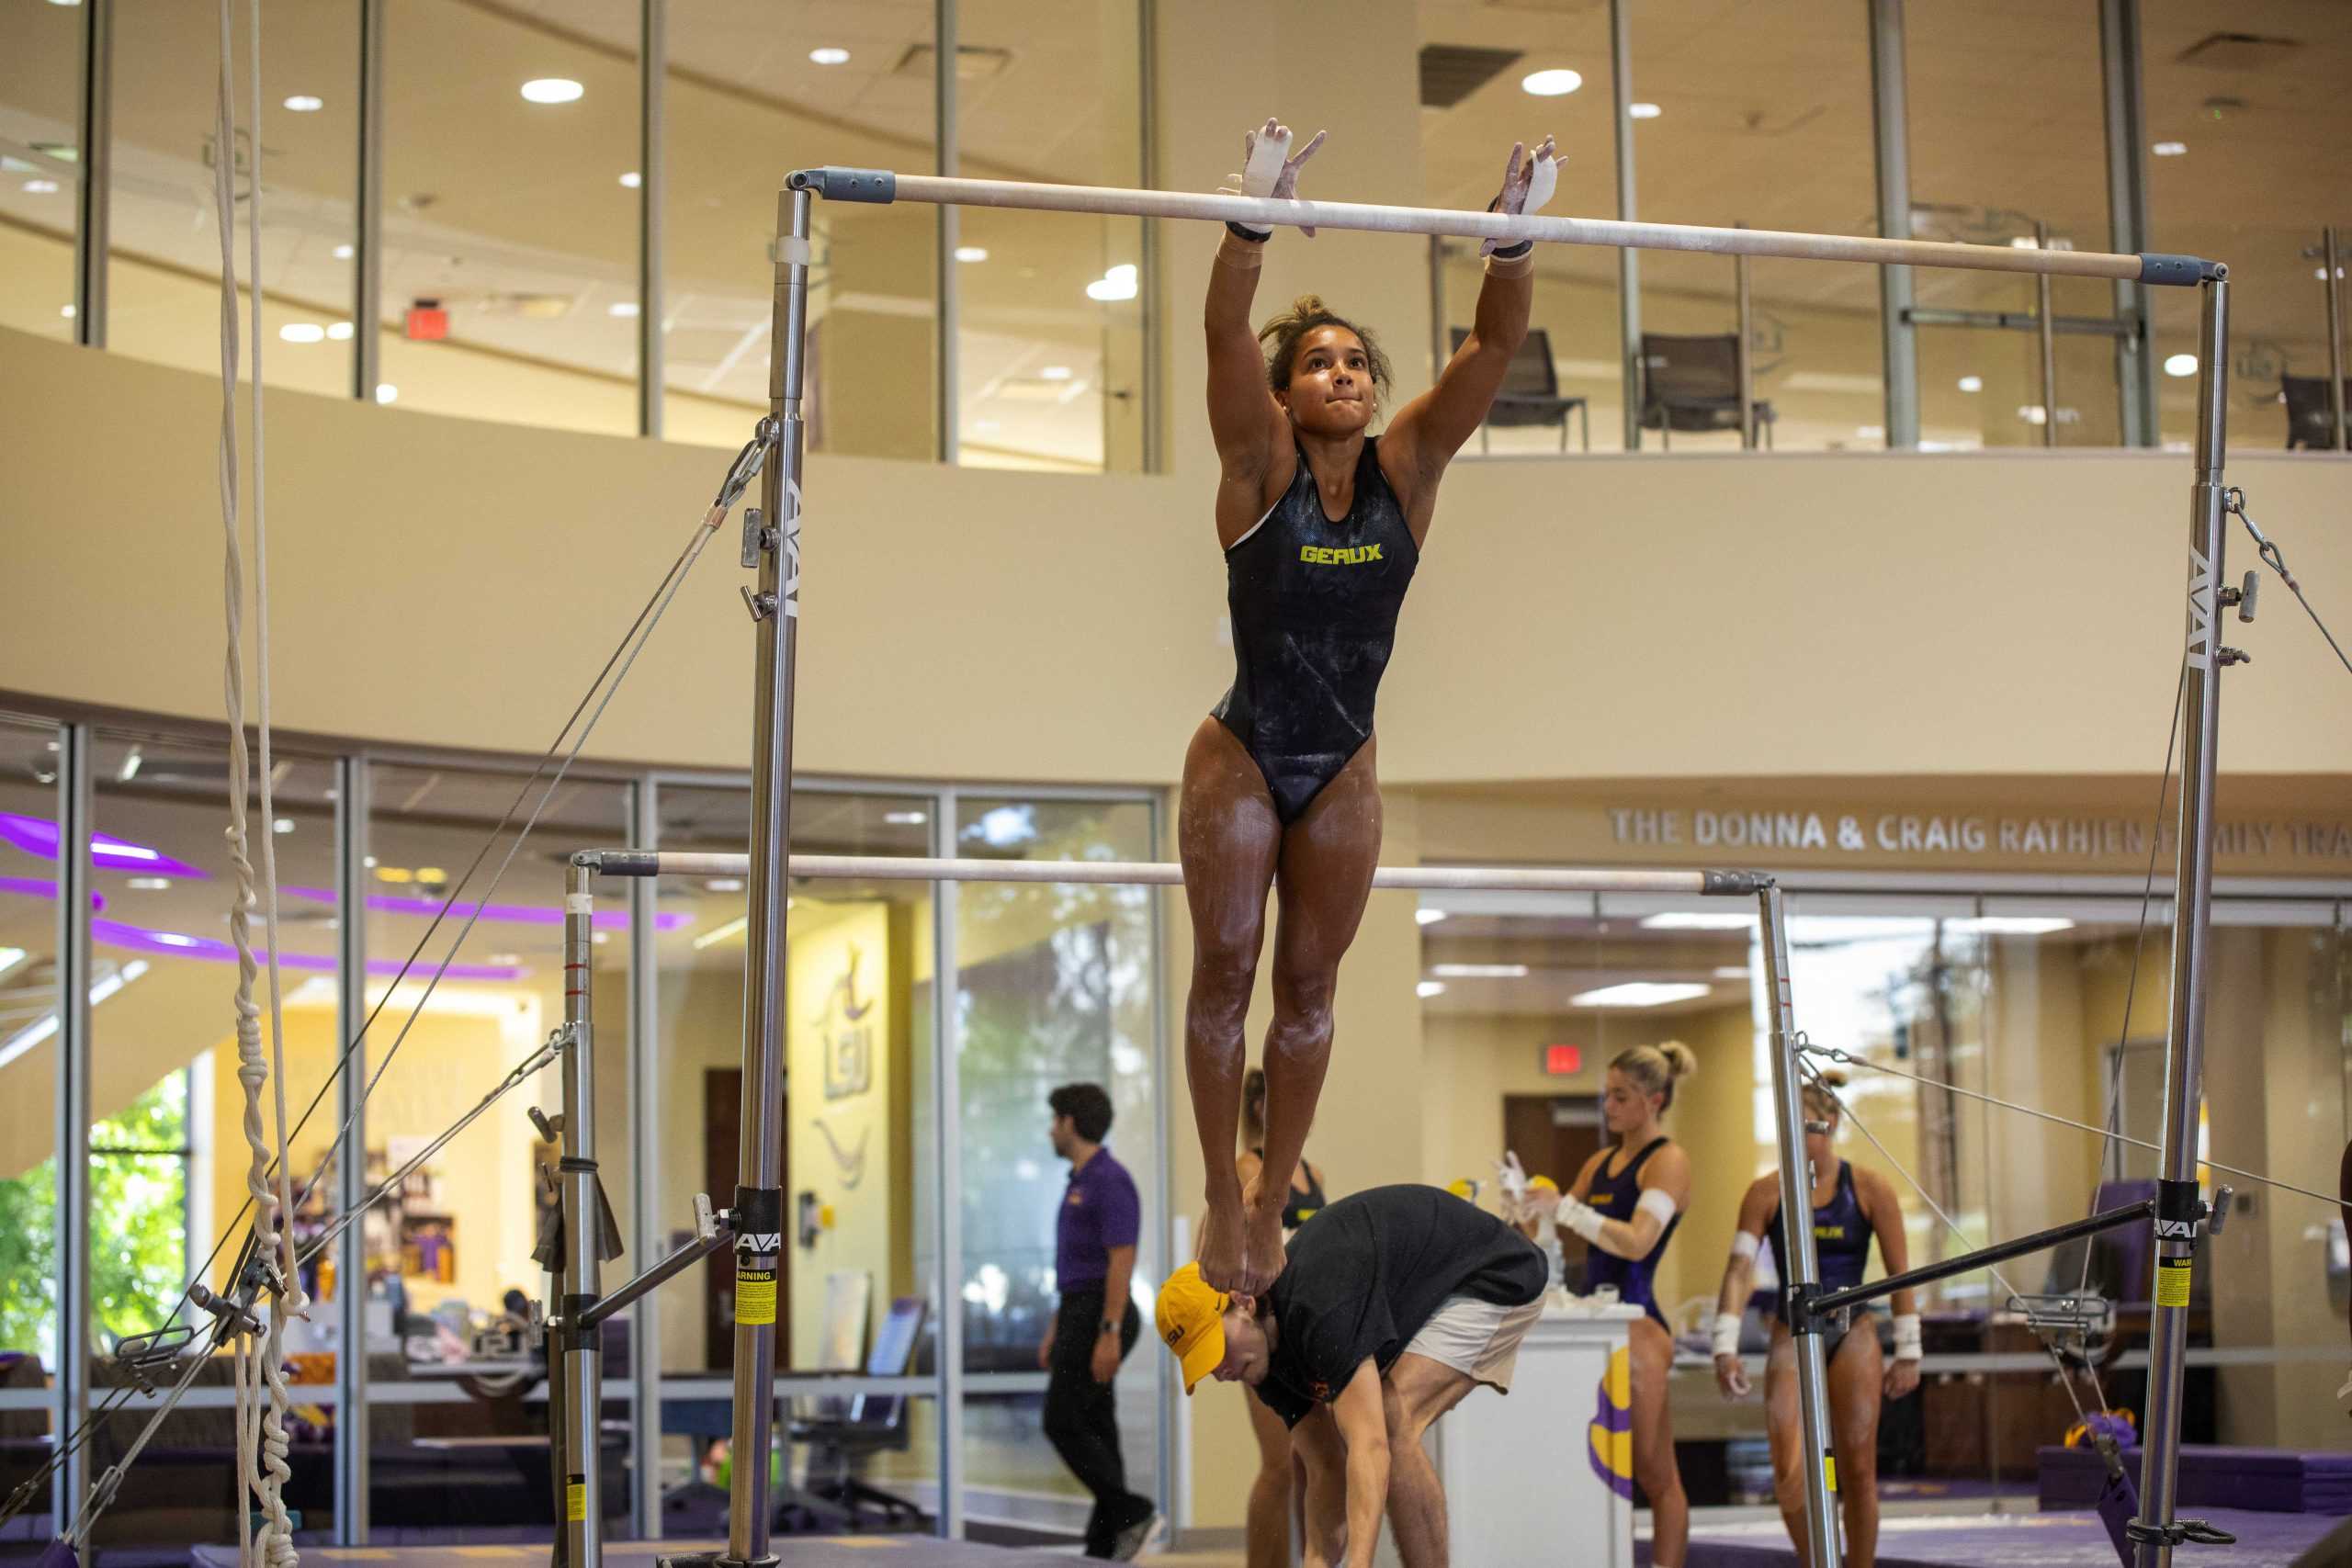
column 2084, row 1316
column 2181, row 1532
column 745, row 469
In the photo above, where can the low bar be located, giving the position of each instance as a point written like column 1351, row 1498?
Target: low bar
column 884, row 186
column 1169, row 873
column 2000, row 1252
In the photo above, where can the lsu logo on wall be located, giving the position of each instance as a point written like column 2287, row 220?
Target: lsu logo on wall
column 1611, row 1446
column 848, row 1036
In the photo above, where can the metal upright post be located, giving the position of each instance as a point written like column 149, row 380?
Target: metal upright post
column 946, row 56
column 652, row 200
column 2332, row 257
column 1892, row 140
column 2046, row 330
column 2127, row 209
column 1629, row 261
column 2177, row 1205
column 759, row 1200
column 367, row 230
column 583, row 1514
column 94, row 191
column 350, row 1186
column 1740, row 269
column 647, row 1240
column 1800, row 1274
column 948, row 1085
column 76, row 803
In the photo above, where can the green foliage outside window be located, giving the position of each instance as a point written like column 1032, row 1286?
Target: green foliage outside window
column 138, row 1227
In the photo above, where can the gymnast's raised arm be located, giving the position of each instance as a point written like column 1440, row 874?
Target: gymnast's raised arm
column 1245, row 422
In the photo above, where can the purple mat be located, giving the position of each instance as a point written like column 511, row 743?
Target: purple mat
column 804, row 1551
column 2017, row 1541
column 2271, row 1480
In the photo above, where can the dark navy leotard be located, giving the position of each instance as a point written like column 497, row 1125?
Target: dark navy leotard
column 1314, row 606
column 1841, row 1248
column 1617, row 1197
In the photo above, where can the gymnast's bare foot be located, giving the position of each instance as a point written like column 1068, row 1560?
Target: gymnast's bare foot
column 1221, row 1244
column 1262, row 1255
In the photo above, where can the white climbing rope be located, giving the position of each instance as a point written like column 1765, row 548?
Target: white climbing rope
column 263, row 1472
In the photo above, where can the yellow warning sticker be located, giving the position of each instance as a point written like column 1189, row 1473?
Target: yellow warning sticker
column 575, row 1499
column 2172, row 1282
column 756, row 1295
column 1829, row 1470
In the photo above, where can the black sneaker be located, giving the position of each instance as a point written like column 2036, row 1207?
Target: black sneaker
column 1146, row 1531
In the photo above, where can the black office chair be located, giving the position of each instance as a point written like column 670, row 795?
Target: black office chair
column 1531, row 392
column 842, row 1434
column 2311, row 421
column 1692, row 384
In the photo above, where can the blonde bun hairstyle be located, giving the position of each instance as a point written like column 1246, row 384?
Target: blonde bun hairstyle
column 1655, row 1069
column 1820, row 1096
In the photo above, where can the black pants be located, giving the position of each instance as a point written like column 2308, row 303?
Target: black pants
column 1083, row 1421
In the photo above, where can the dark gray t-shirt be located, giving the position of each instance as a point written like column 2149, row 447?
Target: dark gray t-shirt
column 1371, row 1270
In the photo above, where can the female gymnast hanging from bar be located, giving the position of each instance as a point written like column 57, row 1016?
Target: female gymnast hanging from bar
column 1322, row 524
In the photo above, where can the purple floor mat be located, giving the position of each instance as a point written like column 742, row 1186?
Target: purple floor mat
column 2275, row 1479
column 2070, row 1540
column 803, row 1551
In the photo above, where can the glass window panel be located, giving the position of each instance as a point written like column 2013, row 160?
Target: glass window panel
column 168, row 1155
column 162, row 286
column 1764, row 118
column 747, row 102
column 41, row 98
column 1464, row 148
column 449, row 1252
column 858, row 1139
column 2007, row 130
column 1054, row 987
column 29, row 1092
column 1050, row 328
column 510, row 146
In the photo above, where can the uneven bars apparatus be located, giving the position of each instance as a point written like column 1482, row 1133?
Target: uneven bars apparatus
column 772, row 545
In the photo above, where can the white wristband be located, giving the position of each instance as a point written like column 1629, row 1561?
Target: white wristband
column 1907, row 1336
column 1579, row 1217
column 1726, row 1334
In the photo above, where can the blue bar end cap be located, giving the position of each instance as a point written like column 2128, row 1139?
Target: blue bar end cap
column 836, row 184
column 2157, row 266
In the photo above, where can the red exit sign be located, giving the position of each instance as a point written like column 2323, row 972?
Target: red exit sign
column 1563, row 1061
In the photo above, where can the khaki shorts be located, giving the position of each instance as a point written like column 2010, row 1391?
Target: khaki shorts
column 1478, row 1339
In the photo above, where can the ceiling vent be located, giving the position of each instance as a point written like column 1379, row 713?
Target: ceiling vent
column 974, row 63
column 2238, row 52
column 1451, row 71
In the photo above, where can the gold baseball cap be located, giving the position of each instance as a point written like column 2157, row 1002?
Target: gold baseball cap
column 1192, row 1322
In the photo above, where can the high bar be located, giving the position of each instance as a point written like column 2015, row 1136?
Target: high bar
column 884, row 186
column 1168, row 874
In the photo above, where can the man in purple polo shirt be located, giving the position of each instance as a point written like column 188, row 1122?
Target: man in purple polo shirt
column 1094, row 1260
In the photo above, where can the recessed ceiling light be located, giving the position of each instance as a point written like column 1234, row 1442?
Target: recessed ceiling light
column 1055, row 373
column 1638, row 994
column 2169, row 149
column 1971, row 383
column 553, row 90
column 725, row 885
column 2011, row 925
column 621, row 308
column 2321, row 272
column 604, row 937
column 1553, row 83
column 385, row 392
column 1870, row 432
column 2034, row 414
column 303, row 103
column 829, row 55
column 1479, row 971
column 283, row 824
column 1643, row 111
column 68, row 312
column 339, row 331
column 2179, row 365
column 1117, row 283
column 1731, row 972
column 971, row 253
column 506, row 958
column 343, row 252
column 302, row 332
column 906, row 818
column 150, row 883
column 1429, row 988
column 632, row 179
column 1697, row 920
column 40, row 188
column 1428, row 916
column 2024, row 243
